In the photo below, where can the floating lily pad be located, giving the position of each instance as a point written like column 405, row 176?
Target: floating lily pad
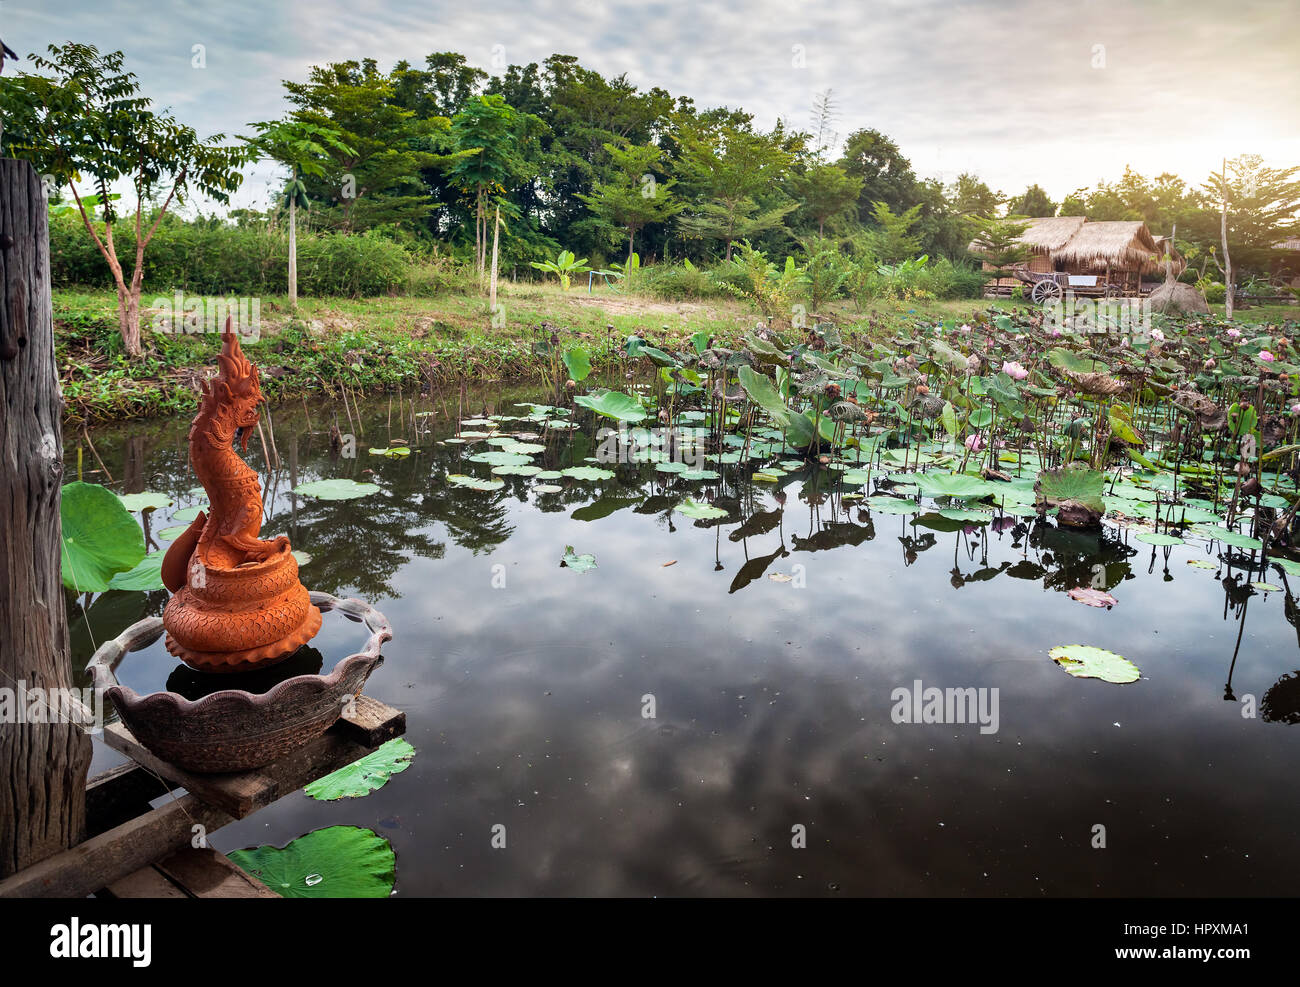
column 336, row 489
column 393, row 452
column 516, row 470
column 893, row 505
column 100, row 537
column 674, row 466
column 190, row 513
column 1264, row 587
column 1086, row 662
column 1203, row 563
column 336, row 862
column 579, row 563
column 587, row 473
column 474, row 482
column 363, row 776
column 694, row 509
column 500, row 457
column 547, row 488
column 701, row 475
column 1229, row 537
column 146, row 501
column 174, row 532
column 762, row 476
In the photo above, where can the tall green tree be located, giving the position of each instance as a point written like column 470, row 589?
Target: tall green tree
column 885, row 172
column 727, row 169
column 892, row 240
column 378, row 181
column 826, row 191
column 484, row 138
column 303, row 148
column 1034, row 202
column 634, row 196
column 998, row 242
column 86, row 121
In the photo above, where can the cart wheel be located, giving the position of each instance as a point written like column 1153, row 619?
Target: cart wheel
column 1045, row 290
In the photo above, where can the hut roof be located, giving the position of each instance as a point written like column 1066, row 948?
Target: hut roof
column 1044, row 234
column 1123, row 244
column 1048, row 234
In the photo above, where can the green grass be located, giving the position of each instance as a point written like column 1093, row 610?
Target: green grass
column 393, row 342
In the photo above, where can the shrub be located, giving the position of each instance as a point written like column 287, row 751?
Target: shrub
column 673, row 281
column 1215, row 293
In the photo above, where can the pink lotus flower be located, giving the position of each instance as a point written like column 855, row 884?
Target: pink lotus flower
column 1093, row 597
column 1295, row 409
column 1234, row 333
column 963, row 328
column 974, row 442
column 1014, row 370
column 1058, row 331
column 1266, row 356
column 1158, row 335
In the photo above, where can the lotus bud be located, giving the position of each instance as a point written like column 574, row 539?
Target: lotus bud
column 570, row 384
column 1209, row 363
column 922, row 389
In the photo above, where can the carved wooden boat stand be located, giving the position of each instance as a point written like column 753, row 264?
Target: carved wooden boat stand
column 135, row 851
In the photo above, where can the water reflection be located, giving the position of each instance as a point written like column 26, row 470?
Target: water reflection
column 524, row 696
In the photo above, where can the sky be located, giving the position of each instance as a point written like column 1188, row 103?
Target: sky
column 1061, row 94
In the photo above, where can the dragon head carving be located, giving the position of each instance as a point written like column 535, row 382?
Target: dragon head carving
column 230, row 400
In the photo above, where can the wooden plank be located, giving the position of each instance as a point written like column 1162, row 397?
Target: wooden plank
column 370, row 722
column 204, row 873
column 110, row 856
column 367, row 725
column 147, row 882
column 119, row 794
column 238, row 794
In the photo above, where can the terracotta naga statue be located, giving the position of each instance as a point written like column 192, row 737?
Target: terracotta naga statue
column 237, row 602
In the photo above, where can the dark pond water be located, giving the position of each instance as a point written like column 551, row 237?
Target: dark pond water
column 525, row 683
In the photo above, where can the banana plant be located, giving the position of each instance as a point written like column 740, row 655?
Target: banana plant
column 564, row 267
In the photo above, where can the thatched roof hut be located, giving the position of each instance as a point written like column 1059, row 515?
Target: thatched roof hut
column 1048, row 234
column 1120, row 245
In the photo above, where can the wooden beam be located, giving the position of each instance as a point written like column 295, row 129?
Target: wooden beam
column 110, row 856
column 204, row 873
column 364, row 727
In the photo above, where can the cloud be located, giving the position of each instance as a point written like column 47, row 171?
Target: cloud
column 1017, row 92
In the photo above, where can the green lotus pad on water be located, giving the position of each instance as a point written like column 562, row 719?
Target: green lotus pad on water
column 334, row 490
column 1086, row 662
column 363, row 776
column 146, row 501
column 336, row 862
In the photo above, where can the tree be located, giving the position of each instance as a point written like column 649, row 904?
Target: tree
column 998, row 241
column 1034, row 202
column 633, row 197
column 378, row 181
column 42, row 764
column 892, row 240
column 886, row 174
column 728, row 168
column 86, row 120
column 303, row 148
column 826, row 190
column 972, row 199
column 483, row 135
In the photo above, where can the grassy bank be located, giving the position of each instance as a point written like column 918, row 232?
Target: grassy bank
column 387, row 343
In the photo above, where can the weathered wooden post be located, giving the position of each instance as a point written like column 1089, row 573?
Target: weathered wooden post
column 42, row 765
